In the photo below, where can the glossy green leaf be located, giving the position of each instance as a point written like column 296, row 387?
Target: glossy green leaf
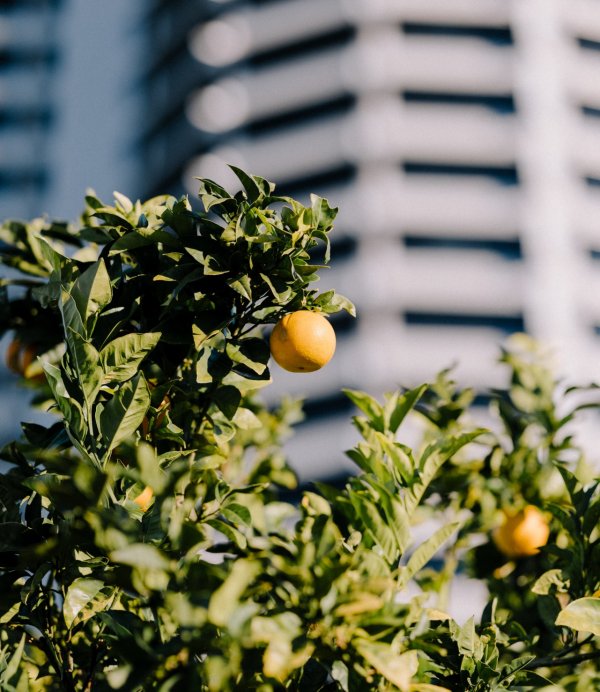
column 427, row 550
column 79, row 595
column 120, row 359
column 92, row 290
column 124, row 413
column 252, row 352
column 228, row 399
column 85, row 358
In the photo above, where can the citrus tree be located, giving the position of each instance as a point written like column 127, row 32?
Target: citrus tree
column 145, row 543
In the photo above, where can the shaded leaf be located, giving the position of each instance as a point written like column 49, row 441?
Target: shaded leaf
column 120, row 359
column 124, row 413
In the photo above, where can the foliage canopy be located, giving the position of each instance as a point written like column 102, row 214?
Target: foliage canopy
column 148, row 322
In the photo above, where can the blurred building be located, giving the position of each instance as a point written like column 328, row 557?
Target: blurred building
column 460, row 140
column 28, row 57
column 68, row 116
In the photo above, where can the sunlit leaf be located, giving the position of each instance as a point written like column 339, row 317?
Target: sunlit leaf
column 582, row 615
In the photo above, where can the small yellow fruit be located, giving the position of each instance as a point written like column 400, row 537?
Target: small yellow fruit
column 302, row 341
column 144, row 499
column 523, row 533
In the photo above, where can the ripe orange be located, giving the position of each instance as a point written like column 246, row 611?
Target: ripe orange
column 161, row 414
column 13, row 356
column 28, row 356
column 302, row 341
column 144, row 499
column 522, row 533
column 21, row 359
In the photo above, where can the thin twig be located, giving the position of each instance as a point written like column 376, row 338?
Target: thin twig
column 568, row 660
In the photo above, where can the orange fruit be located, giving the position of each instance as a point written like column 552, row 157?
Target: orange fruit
column 13, row 356
column 28, row 355
column 522, row 533
column 32, row 368
column 302, row 341
column 20, row 356
column 161, row 414
column 144, row 499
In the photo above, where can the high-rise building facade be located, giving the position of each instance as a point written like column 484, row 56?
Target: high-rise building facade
column 67, row 119
column 460, row 140
column 28, row 57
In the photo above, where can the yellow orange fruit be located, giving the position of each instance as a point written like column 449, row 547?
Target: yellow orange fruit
column 302, row 341
column 522, row 533
column 144, row 499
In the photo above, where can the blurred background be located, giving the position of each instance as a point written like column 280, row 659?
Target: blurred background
column 460, row 139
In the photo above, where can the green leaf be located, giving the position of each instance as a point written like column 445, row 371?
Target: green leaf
column 141, row 555
column 398, row 669
column 14, row 665
column 280, row 290
column 427, row 550
column 582, row 615
column 228, row 399
column 339, row 672
column 256, row 188
column 591, row 519
column 213, row 195
column 399, row 406
column 226, row 598
column 322, row 214
column 466, row 638
column 237, row 514
column 332, row 302
column 141, row 237
column 53, row 259
column 368, row 405
column 150, row 471
column 252, row 352
column 245, row 419
column 69, row 407
column 395, row 516
column 120, row 359
column 544, row 584
column 242, row 286
column 71, row 316
column 124, row 413
column 367, row 512
column 230, row 532
column 79, row 594
column 123, row 202
column 92, row 290
column 434, row 456
column 85, row 359
column 516, row 665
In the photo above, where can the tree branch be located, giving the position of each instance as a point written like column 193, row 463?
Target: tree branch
column 567, row 660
